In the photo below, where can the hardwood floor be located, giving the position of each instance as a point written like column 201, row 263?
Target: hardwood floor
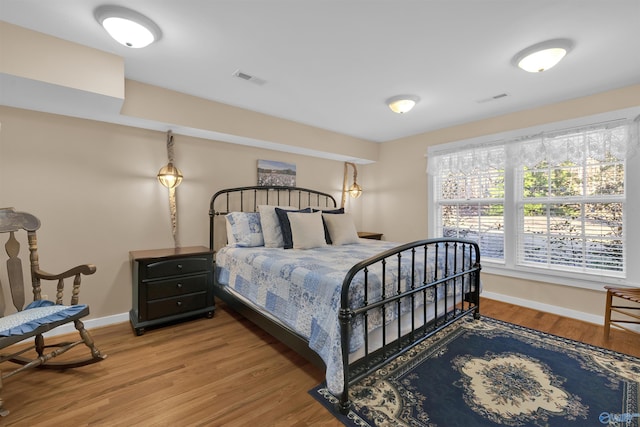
column 212, row 372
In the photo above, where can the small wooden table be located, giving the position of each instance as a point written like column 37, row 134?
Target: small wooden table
column 369, row 235
column 170, row 285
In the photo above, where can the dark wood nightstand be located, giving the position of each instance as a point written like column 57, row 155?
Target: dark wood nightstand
column 369, row 235
column 171, row 284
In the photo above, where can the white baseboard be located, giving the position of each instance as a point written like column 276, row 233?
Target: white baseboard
column 548, row 308
column 554, row 309
column 560, row 311
column 90, row 324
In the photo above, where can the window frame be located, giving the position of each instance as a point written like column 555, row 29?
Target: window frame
column 509, row 267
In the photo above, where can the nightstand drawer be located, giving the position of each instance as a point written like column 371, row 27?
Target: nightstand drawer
column 174, row 267
column 177, row 286
column 171, row 306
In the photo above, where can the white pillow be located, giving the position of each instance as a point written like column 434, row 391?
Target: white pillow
column 307, row 230
column 246, row 229
column 341, row 228
column 231, row 241
column 271, row 231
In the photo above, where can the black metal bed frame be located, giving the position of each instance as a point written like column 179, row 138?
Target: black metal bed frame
column 462, row 268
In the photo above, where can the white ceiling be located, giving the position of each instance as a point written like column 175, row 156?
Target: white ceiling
column 333, row 63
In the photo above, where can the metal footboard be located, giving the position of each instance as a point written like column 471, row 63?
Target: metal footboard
column 437, row 266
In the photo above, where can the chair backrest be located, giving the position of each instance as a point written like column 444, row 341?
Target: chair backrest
column 12, row 222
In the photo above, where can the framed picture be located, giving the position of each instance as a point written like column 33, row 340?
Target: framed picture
column 272, row 173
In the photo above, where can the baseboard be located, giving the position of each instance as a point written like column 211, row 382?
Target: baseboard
column 560, row 311
column 548, row 308
column 90, row 324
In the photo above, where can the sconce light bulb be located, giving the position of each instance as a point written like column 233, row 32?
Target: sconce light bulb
column 170, row 176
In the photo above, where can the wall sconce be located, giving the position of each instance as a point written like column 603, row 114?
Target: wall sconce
column 355, row 190
column 170, row 176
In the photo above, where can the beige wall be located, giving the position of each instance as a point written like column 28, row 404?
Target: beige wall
column 93, row 185
column 165, row 106
column 39, row 57
column 397, row 189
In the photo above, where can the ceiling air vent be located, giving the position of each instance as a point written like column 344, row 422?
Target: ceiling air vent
column 248, row 77
column 492, row 98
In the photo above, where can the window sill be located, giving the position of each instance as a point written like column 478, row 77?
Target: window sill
column 584, row 281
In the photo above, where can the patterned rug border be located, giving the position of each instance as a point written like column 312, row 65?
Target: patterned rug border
column 426, row 349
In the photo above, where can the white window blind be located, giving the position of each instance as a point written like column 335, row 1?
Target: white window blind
column 470, row 197
column 558, row 198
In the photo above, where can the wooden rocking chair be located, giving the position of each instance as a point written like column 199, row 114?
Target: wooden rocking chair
column 39, row 316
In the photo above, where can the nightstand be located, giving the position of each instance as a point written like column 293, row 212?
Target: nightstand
column 170, row 285
column 369, row 235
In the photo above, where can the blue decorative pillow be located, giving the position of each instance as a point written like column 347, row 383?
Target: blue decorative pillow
column 245, row 228
column 285, row 225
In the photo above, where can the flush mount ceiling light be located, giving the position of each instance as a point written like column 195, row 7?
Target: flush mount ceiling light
column 127, row 26
column 542, row 56
column 402, row 103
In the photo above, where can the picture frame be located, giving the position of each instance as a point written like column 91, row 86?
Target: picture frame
column 273, row 173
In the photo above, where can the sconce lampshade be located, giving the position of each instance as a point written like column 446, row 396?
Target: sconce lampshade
column 170, row 176
column 542, row 56
column 355, row 190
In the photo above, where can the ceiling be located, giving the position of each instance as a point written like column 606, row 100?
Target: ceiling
column 333, row 63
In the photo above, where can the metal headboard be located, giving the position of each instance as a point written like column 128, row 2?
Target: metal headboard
column 247, row 199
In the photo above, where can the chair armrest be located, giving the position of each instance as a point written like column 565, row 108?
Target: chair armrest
column 75, row 272
column 85, row 269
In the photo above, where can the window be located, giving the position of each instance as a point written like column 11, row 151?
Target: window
column 555, row 201
column 470, row 199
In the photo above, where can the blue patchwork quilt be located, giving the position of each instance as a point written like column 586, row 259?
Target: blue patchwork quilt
column 302, row 288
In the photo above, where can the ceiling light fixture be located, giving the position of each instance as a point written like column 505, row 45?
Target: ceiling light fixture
column 127, row 26
column 402, row 103
column 542, row 56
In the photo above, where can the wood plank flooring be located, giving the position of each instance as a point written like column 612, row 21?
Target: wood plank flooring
column 212, row 372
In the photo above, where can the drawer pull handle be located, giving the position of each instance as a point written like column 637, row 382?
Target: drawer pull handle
column 179, row 303
column 179, row 285
column 179, row 266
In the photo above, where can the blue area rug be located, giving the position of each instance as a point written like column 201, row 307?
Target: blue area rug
column 491, row 373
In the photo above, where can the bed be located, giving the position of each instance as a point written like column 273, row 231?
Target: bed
column 290, row 261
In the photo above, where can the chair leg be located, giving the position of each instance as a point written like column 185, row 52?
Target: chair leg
column 39, row 345
column 88, row 341
column 607, row 315
column 3, row 412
